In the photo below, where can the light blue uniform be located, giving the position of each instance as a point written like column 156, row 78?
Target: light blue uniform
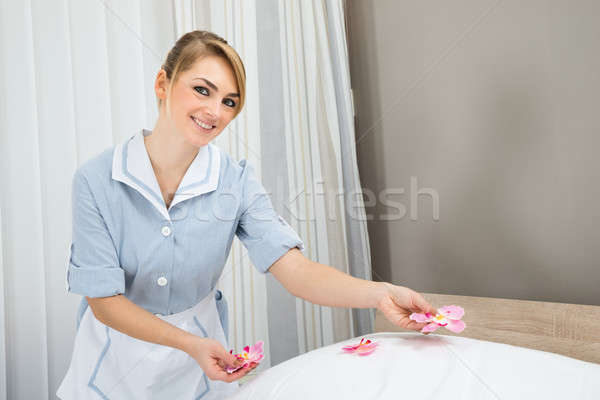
column 125, row 240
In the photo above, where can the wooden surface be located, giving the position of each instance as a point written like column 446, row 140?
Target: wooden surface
column 572, row 330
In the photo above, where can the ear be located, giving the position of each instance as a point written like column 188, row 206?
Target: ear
column 161, row 84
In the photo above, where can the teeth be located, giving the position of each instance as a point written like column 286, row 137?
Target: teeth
column 202, row 124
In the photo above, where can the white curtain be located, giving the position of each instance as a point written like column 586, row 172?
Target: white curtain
column 76, row 77
column 298, row 128
column 319, row 133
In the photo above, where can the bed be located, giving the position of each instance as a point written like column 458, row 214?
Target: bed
column 511, row 349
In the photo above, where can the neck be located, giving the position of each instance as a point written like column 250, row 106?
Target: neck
column 169, row 153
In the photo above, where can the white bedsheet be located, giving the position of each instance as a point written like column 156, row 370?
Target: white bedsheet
column 415, row 366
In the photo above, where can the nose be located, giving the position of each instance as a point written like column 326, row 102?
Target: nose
column 213, row 108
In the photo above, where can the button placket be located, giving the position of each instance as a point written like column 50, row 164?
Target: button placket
column 162, row 278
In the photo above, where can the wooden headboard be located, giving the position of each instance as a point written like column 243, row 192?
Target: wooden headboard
column 572, row 330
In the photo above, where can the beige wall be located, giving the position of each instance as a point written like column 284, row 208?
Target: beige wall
column 496, row 106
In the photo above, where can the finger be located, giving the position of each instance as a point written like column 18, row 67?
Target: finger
column 422, row 304
column 222, row 365
column 234, row 365
column 229, row 377
column 240, row 373
column 221, row 375
column 413, row 325
column 230, row 359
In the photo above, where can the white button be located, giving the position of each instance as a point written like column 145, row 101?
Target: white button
column 166, row 231
column 158, row 315
column 162, row 281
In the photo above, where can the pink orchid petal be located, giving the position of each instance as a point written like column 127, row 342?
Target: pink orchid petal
column 418, row 317
column 452, row 312
column 257, row 348
column 363, row 348
column 255, row 358
column 258, row 358
column 366, row 352
column 245, row 364
column 368, row 346
column 230, row 369
column 253, row 354
column 351, row 348
column 430, row 327
column 366, row 349
column 456, row 326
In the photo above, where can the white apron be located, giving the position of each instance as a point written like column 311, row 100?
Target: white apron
column 108, row 364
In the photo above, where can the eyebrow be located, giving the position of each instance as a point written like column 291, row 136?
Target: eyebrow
column 214, row 87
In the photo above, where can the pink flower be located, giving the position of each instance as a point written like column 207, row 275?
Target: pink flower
column 250, row 355
column 447, row 316
column 362, row 349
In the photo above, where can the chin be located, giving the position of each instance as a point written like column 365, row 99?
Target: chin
column 198, row 140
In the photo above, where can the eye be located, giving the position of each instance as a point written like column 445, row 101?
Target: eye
column 229, row 102
column 201, row 90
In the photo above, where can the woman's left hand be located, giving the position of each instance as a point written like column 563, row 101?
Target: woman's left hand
column 398, row 302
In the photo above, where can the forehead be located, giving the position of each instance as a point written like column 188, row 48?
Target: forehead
column 215, row 69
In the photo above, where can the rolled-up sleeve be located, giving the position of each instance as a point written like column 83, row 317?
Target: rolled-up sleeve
column 94, row 269
column 265, row 234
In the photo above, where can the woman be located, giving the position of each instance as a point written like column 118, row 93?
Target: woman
column 153, row 223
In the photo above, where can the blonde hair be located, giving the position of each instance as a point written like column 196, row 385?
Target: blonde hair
column 194, row 46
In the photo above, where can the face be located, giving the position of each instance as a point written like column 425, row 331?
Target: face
column 204, row 99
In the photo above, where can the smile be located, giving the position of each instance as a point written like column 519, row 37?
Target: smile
column 202, row 125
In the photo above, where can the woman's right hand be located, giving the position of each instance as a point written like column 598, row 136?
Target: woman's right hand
column 213, row 359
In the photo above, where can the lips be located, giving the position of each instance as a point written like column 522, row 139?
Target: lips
column 202, row 125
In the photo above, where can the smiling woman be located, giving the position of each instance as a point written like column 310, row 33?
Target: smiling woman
column 147, row 264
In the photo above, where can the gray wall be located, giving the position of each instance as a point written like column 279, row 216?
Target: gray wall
column 495, row 105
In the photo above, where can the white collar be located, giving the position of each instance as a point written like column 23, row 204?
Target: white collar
column 131, row 165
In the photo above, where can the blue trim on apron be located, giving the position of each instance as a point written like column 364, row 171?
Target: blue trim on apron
column 203, row 375
column 91, row 383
